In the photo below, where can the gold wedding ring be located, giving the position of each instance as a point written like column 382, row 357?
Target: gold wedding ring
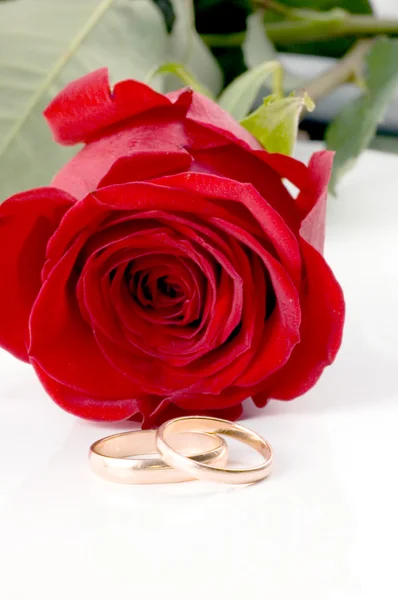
column 118, row 458
column 197, row 470
column 182, row 449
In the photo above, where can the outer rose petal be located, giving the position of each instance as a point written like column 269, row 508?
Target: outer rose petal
column 163, row 132
column 87, row 105
column 205, row 112
column 312, row 182
column 322, row 305
column 322, row 299
column 154, row 414
column 27, row 221
column 62, row 344
column 236, row 163
column 183, row 120
column 313, row 200
column 83, row 405
column 142, row 166
column 287, row 167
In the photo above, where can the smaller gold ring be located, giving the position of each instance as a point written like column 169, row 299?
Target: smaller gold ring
column 191, row 467
column 115, row 458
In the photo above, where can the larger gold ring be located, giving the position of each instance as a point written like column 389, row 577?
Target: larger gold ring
column 115, row 458
column 191, row 467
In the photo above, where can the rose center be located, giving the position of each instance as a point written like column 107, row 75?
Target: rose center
column 159, row 294
column 169, row 289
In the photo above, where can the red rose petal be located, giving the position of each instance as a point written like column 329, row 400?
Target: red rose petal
column 221, row 368
column 282, row 331
column 207, row 113
column 150, row 375
column 83, row 219
column 155, row 412
column 156, row 341
column 147, row 195
column 322, row 305
column 186, row 274
column 229, row 295
column 27, row 221
column 238, row 164
column 129, row 362
column 200, row 403
column 87, row 105
column 153, row 340
column 86, row 406
column 142, row 166
column 162, row 133
column 62, row 343
column 313, row 200
column 312, row 182
column 220, row 189
column 287, row 167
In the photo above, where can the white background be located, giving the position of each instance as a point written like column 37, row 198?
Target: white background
column 322, row 527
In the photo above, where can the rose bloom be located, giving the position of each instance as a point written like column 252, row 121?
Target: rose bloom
column 168, row 270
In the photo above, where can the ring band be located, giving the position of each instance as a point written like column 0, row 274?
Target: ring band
column 197, row 470
column 112, row 457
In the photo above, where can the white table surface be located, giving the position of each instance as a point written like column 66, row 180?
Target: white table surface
column 322, row 527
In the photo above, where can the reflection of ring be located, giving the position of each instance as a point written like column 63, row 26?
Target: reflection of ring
column 172, row 456
column 113, row 457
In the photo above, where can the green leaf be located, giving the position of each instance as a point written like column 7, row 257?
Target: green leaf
column 187, row 48
column 239, row 96
column 355, row 126
column 45, row 44
column 330, row 47
column 352, row 6
column 257, row 48
column 182, row 74
column 275, row 123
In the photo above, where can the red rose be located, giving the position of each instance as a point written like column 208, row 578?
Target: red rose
column 168, row 270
